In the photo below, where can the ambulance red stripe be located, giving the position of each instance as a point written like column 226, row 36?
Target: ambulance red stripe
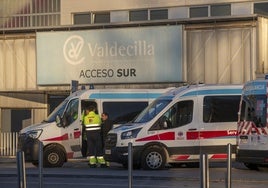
column 60, row 138
column 77, row 134
column 163, row 136
column 182, row 157
column 219, row 156
column 209, row 134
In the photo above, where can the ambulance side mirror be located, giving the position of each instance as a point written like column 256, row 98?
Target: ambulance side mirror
column 164, row 122
column 61, row 122
column 58, row 121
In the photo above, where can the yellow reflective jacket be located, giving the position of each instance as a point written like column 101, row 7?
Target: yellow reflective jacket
column 92, row 121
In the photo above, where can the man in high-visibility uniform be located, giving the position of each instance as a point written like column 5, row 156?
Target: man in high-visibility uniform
column 92, row 122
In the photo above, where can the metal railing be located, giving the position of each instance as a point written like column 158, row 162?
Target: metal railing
column 8, row 143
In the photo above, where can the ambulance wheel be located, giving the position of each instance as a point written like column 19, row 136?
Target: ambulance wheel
column 53, row 157
column 251, row 166
column 153, row 158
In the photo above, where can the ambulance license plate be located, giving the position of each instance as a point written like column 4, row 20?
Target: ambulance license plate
column 243, row 139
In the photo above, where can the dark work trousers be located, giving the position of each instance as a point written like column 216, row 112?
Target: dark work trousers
column 94, row 143
column 84, row 144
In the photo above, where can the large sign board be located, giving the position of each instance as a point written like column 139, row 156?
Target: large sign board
column 125, row 55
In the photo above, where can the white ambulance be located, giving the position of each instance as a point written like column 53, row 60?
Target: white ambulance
column 252, row 136
column 63, row 141
column 179, row 126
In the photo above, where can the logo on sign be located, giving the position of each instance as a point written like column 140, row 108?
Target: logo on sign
column 72, row 50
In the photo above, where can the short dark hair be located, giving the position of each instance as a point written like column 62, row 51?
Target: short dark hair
column 105, row 113
column 90, row 108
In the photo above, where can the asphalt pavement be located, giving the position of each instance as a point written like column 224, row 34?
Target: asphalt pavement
column 79, row 168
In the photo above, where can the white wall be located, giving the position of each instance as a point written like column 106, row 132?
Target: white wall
column 17, row 64
column 219, row 55
column 263, row 46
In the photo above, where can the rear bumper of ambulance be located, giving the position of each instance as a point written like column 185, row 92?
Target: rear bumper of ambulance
column 252, row 156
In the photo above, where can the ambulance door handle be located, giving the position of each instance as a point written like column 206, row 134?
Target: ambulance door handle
column 193, row 129
column 77, row 129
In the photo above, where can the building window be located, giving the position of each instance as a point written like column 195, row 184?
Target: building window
column 220, row 10
column 158, row 14
column 31, row 13
column 81, row 18
column 102, row 17
column 261, row 8
column 198, row 12
column 138, row 15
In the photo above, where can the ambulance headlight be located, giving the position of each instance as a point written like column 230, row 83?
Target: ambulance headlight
column 35, row 133
column 130, row 134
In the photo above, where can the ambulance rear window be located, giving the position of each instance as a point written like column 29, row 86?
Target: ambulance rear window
column 254, row 108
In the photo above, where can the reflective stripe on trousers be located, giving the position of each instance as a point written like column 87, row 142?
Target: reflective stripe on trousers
column 92, row 127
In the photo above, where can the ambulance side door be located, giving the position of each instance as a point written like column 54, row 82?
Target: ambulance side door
column 176, row 128
column 218, row 123
column 72, row 128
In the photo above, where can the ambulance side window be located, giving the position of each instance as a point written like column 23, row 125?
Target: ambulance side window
column 71, row 113
column 184, row 114
column 178, row 115
column 221, row 108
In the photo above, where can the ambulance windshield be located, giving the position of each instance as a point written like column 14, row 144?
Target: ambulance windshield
column 57, row 111
column 152, row 110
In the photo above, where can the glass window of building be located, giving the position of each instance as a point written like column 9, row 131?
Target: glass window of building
column 158, row 14
column 198, row 12
column 102, row 17
column 138, row 15
column 220, row 10
column 30, row 13
column 261, row 8
column 81, row 18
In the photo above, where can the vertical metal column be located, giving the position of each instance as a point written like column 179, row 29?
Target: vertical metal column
column 229, row 166
column 21, row 169
column 40, row 164
column 204, row 172
column 130, row 165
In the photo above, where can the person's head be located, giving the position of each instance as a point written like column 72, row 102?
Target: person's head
column 89, row 109
column 104, row 116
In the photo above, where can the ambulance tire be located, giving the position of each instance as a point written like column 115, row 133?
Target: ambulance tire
column 251, row 166
column 153, row 158
column 53, row 157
